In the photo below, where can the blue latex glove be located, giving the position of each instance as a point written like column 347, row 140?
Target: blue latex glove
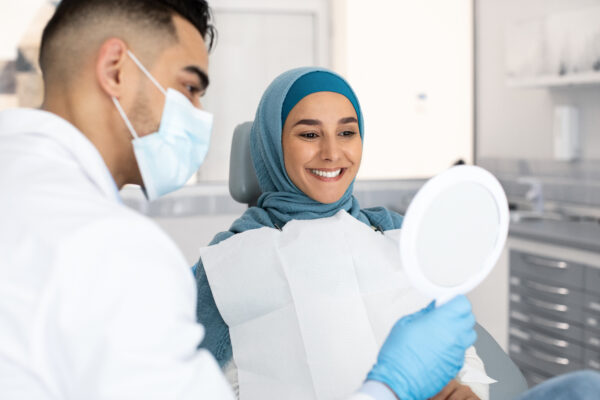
column 425, row 350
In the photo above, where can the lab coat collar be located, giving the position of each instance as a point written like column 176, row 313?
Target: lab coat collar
column 22, row 120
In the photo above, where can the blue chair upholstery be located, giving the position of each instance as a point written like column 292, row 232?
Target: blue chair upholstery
column 244, row 188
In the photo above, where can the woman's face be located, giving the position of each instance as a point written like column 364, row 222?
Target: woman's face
column 322, row 147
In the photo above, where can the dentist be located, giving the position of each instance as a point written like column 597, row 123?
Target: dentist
column 96, row 302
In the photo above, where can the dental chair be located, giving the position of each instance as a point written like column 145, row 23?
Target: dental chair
column 243, row 187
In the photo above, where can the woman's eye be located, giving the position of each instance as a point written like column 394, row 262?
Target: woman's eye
column 308, row 135
column 347, row 133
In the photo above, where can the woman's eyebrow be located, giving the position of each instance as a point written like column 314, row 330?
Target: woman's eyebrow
column 347, row 120
column 308, row 122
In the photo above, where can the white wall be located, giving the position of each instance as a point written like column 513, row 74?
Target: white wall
column 411, row 65
column 15, row 17
column 490, row 301
column 517, row 123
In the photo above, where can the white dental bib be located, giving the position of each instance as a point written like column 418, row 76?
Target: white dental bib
column 308, row 307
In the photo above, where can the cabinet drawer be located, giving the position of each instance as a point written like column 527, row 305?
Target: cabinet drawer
column 592, row 360
column 553, row 343
column 551, row 270
column 592, row 280
column 558, row 326
column 562, row 309
column 541, row 359
column 554, row 293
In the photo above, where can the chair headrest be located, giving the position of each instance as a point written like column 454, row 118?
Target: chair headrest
column 243, row 184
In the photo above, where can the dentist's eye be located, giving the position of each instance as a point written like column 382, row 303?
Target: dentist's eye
column 193, row 90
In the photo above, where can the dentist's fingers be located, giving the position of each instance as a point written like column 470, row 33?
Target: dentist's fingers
column 468, row 339
column 458, row 306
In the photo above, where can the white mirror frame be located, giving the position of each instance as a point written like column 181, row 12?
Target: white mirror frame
column 417, row 211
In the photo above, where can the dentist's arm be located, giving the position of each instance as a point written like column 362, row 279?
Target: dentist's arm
column 423, row 352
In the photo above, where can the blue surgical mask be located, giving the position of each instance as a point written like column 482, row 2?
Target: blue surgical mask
column 168, row 158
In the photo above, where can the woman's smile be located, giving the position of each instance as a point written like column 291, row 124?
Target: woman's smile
column 327, row 174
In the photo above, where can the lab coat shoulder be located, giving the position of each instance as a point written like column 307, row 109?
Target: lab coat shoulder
column 124, row 298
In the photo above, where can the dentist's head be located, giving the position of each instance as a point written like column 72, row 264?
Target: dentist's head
column 129, row 74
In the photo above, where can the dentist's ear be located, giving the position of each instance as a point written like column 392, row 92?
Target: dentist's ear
column 110, row 64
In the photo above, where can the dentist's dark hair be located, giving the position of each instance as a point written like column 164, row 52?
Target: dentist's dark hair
column 72, row 19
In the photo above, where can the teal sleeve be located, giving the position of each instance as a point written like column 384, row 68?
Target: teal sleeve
column 216, row 338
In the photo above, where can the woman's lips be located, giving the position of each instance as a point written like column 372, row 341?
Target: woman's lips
column 327, row 175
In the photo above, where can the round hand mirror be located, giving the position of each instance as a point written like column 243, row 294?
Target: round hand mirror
column 454, row 231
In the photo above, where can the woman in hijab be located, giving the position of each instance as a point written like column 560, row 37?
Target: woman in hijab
column 307, row 282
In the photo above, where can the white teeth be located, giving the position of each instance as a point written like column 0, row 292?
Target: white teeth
column 326, row 174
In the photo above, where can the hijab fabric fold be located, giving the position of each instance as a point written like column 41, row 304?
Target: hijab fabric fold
column 281, row 201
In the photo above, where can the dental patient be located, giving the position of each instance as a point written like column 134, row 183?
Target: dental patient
column 298, row 296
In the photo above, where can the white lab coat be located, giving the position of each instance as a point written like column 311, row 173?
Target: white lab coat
column 96, row 302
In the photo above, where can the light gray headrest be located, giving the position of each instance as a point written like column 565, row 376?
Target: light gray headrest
column 243, row 185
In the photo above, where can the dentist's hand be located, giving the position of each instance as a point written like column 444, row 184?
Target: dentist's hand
column 425, row 350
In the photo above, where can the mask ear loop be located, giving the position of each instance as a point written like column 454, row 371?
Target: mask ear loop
column 145, row 71
column 125, row 119
column 118, row 105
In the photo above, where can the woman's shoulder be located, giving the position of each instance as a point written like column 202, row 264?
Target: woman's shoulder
column 252, row 218
column 382, row 218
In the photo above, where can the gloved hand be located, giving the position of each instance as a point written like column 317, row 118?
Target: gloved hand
column 425, row 350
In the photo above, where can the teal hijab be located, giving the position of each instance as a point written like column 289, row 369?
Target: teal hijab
column 281, row 201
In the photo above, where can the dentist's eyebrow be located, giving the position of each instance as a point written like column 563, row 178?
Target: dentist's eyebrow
column 312, row 122
column 347, row 120
column 201, row 75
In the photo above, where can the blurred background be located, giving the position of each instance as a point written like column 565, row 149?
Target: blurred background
column 510, row 85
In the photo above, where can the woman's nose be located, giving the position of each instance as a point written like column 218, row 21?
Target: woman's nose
column 330, row 150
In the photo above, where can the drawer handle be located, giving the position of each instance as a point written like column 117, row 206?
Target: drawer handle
column 548, row 358
column 548, row 306
column 549, row 289
column 542, row 262
column 551, row 341
column 514, row 348
column 563, row 326
column 594, row 306
column 535, row 378
column 519, row 316
column 519, row 333
column 594, row 341
column 594, row 364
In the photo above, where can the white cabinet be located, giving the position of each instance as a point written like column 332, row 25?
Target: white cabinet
column 257, row 40
column 411, row 64
column 560, row 48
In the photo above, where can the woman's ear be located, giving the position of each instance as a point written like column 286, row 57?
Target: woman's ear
column 109, row 66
